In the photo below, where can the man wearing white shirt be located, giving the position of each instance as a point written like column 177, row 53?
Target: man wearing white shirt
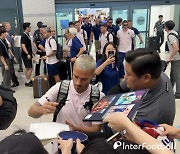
column 104, row 37
column 125, row 37
column 51, row 49
column 74, row 111
column 81, row 35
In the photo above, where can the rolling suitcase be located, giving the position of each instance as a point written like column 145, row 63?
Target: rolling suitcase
column 40, row 86
column 153, row 43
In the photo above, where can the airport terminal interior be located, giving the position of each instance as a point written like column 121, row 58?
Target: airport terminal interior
column 58, row 13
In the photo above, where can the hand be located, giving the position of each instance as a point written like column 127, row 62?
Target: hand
column 44, row 57
column 65, row 145
column 6, row 67
column 39, row 50
column 118, row 121
column 79, row 146
column 15, row 60
column 49, row 107
column 169, row 60
column 110, row 60
column 71, row 126
column 1, row 101
column 170, row 131
column 29, row 56
column 141, row 42
column 73, row 59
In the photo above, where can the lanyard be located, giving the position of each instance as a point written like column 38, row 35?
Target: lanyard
column 6, row 49
column 27, row 35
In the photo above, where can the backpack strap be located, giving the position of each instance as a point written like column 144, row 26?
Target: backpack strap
column 49, row 42
column 108, row 37
column 173, row 35
column 94, row 98
column 61, row 97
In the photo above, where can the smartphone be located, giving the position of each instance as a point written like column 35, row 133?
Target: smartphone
column 110, row 54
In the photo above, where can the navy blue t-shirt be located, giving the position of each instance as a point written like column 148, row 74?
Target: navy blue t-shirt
column 115, row 29
column 87, row 28
column 43, row 42
column 96, row 31
column 75, row 47
column 109, row 76
column 136, row 32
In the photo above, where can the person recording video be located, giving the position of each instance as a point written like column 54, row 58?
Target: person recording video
column 108, row 67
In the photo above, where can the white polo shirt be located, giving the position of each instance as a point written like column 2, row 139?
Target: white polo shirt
column 125, row 40
column 81, row 37
column 103, row 39
column 73, row 111
column 52, row 59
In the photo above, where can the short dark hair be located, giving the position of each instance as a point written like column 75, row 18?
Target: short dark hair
column 124, row 21
column 169, row 24
column 104, row 25
column 26, row 25
column 39, row 24
column 160, row 16
column 144, row 61
column 99, row 146
column 110, row 19
column 2, row 30
column 76, row 22
column 71, row 23
column 118, row 20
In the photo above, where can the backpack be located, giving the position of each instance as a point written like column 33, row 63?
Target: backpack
column 177, row 36
column 59, row 52
column 63, row 94
column 114, row 37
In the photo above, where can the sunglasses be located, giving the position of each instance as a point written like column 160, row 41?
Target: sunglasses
column 125, row 25
column 110, row 22
column 53, row 31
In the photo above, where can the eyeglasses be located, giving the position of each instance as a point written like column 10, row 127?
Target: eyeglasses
column 110, row 22
column 125, row 25
column 53, row 31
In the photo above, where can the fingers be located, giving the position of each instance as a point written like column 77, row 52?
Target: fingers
column 49, row 107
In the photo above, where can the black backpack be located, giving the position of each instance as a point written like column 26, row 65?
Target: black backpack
column 114, row 37
column 8, row 109
column 177, row 36
column 59, row 52
column 63, row 94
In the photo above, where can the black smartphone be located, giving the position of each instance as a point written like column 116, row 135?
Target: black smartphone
column 110, row 54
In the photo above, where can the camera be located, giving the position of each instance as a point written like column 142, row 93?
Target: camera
column 110, row 54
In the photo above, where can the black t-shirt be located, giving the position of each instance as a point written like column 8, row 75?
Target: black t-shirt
column 3, row 49
column 25, row 39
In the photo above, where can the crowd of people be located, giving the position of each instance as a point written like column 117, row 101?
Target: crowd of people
column 119, row 66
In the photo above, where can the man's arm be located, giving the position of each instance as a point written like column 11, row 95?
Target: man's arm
column 85, row 129
column 175, row 50
column 4, row 62
column 119, row 122
column 140, row 38
column 24, row 49
column 37, row 110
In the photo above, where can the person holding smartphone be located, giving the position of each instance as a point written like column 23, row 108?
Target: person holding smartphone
column 108, row 67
